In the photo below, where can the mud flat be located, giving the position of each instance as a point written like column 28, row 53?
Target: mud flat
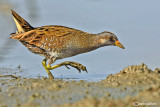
column 135, row 85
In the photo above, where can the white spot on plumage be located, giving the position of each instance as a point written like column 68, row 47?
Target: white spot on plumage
column 49, row 44
column 42, row 46
column 53, row 54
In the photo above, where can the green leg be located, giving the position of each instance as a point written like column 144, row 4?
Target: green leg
column 76, row 65
column 47, row 70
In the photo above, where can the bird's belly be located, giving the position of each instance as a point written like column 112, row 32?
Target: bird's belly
column 72, row 52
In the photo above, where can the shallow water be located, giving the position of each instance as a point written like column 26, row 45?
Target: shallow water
column 136, row 23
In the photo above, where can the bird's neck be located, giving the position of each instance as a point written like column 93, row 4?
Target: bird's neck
column 97, row 41
column 92, row 42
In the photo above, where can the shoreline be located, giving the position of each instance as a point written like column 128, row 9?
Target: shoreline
column 133, row 85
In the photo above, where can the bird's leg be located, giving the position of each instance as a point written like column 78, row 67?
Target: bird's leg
column 47, row 70
column 76, row 65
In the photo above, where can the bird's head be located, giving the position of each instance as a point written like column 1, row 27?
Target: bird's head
column 107, row 38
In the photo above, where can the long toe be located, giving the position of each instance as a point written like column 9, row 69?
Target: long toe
column 76, row 65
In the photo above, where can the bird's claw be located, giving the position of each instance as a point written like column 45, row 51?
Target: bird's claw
column 67, row 67
column 76, row 65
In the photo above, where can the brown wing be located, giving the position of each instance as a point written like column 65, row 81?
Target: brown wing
column 47, row 36
column 43, row 35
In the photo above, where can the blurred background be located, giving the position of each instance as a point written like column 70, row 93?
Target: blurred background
column 136, row 23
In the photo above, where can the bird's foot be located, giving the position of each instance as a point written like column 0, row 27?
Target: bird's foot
column 47, row 70
column 76, row 65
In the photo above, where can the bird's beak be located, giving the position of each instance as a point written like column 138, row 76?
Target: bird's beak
column 117, row 43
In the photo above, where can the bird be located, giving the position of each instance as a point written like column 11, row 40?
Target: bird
column 55, row 42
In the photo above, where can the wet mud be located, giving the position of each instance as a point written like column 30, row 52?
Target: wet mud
column 135, row 85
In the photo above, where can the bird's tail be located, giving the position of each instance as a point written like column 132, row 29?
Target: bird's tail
column 22, row 25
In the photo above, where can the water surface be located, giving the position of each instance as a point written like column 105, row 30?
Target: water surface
column 136, row 23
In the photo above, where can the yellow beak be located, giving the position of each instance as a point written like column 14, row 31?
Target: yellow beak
column 117, row 43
